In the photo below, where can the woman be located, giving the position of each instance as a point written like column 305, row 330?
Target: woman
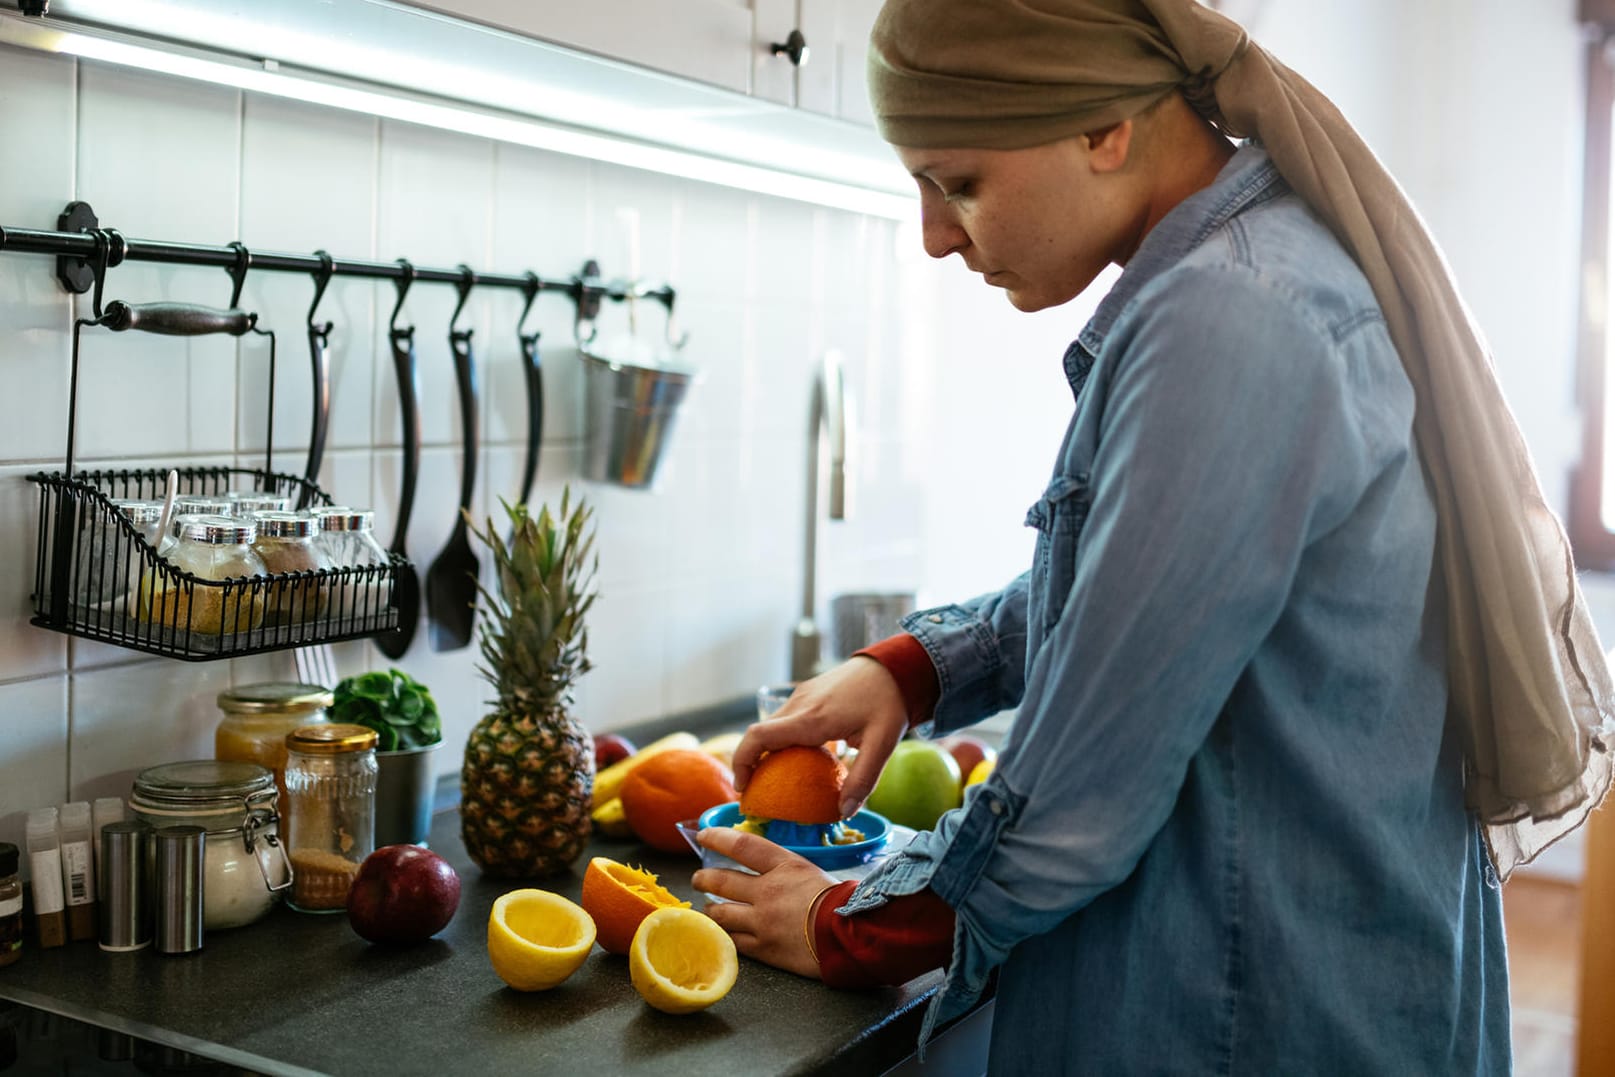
column 1300, row 666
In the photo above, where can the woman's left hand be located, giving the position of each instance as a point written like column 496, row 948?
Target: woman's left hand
column 767, row 913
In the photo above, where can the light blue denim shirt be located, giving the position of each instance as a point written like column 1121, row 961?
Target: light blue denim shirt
column 1227, row 833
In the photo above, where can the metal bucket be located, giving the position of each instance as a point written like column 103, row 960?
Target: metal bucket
column 631, row 410
column 405, row 785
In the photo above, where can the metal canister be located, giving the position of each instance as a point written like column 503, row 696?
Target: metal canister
column 120, row 887
column 180, row 851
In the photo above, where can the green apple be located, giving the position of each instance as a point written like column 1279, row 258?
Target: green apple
column 920, row 782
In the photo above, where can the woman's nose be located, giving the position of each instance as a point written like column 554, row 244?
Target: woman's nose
column 940, row 233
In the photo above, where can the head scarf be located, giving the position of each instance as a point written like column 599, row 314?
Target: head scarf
column 1529, row 684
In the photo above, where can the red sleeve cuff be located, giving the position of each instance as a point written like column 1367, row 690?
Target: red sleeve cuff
column 909, row 664
column 904, row 938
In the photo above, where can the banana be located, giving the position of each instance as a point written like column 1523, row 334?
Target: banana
column 610, row 821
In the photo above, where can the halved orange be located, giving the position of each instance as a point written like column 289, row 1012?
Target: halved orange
column 619, row 897
column 682, row 961
column 800, row 784
column 537, row 938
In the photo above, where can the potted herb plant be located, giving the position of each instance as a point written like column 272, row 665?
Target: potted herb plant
column 404, row 715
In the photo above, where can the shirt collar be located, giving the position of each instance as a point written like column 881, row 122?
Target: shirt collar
column 1248, row 177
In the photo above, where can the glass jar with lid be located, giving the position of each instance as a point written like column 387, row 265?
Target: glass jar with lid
column 109, row 561
column 212, row 548
column 286, row 544
column 347, row 538
column 247, row 502
column 331, row 811
column 202, row 505
column 257, row 718
column 244, row 865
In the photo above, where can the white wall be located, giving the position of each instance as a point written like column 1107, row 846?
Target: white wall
column 1474, row 104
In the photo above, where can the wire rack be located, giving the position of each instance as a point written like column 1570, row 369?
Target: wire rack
column 98, row 577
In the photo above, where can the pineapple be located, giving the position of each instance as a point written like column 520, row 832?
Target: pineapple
column 528, row 776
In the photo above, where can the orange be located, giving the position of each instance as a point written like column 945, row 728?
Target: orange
column 681, row 961
column 619, row 897
column 672, row 786
column 801, row 784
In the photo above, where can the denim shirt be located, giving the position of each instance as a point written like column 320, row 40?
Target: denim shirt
column 1226, row 833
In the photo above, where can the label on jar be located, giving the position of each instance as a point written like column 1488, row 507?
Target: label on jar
column 76, row 873
column 11, row 906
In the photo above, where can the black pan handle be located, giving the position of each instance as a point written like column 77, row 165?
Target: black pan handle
column 176, row 319
column 403, row 344
column 465, row 380
column 533, row 369
column 319, row 349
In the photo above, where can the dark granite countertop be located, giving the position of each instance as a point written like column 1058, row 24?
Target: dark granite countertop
column 299, row 993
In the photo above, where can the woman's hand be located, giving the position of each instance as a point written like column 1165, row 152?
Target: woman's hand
column 858, row 702
column 767, row 914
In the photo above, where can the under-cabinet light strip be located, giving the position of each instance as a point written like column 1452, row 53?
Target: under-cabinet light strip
column 14, row 30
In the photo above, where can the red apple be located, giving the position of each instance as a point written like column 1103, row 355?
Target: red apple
column 610, row 748
column 968, row 750
column 402, row 894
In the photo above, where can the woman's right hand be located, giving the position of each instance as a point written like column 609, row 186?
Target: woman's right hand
column 858, row 702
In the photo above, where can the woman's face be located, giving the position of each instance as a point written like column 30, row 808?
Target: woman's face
column 1040, row 223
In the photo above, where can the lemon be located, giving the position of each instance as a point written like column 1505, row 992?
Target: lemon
column 979, row 772
column 536, row 939
column 681, row 961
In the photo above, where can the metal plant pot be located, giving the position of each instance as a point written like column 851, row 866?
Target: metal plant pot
column 405, row 785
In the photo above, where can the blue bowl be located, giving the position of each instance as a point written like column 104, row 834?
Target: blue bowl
column 877, row 831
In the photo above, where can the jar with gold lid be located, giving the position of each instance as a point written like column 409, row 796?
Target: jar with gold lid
column 331, row 811
column 257, row 718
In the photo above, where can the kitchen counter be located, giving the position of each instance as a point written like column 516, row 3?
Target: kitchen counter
column 298, row 993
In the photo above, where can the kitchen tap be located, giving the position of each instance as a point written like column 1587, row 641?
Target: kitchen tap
column 827, row 420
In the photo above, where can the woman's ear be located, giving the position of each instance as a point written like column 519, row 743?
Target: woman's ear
column 1108, row 147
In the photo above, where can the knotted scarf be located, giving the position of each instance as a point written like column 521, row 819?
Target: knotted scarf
column 1529, row 684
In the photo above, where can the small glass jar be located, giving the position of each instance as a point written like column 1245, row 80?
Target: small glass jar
column 257, row 718
column 214, row 548
column 347, row 538
column 331, row 811
column 10, row 905
column 285, row 544
column 202, row 505
column 109, row 561
column 244, row 866
column 246, row 502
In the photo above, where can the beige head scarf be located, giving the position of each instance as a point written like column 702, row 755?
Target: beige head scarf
column 1529, row 682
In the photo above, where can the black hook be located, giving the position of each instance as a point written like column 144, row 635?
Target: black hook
column 322, row 278
column 102, row 259
column 238, row 271
column 468, row 279
column 403, row 283
column 530, row 292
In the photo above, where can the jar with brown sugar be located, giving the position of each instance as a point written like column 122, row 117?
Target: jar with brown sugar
column 331, row 811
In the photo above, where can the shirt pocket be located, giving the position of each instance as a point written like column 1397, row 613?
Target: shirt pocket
column 1058, row 516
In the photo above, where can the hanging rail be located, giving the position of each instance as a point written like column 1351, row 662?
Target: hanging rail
column 74, row 246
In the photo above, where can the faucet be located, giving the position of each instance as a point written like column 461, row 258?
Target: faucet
column 827, row 419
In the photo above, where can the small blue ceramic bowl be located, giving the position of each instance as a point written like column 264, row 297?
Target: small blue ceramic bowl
column 877, row 831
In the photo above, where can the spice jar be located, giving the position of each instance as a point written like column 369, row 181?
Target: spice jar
column 10, row 904
column 347, row 538
column 244, row 866
column 201, row 505
column 285, row 544
column 213, row 548
column 331, row 811
column 246, row 502
column 257, row 718
column 109, row 560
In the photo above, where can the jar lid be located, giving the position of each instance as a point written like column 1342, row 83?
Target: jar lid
column 208, row 503
column 202, row 780
column 139, row 511
column 213, row 530
column 275, row 524
column 331, row 739
column 8, row 858
column 274, row 698
column 343, row 518
column 245, row 501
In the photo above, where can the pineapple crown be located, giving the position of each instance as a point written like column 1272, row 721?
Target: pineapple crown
column 532, row 635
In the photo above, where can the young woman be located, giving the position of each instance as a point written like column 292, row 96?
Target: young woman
column 1300, row 666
